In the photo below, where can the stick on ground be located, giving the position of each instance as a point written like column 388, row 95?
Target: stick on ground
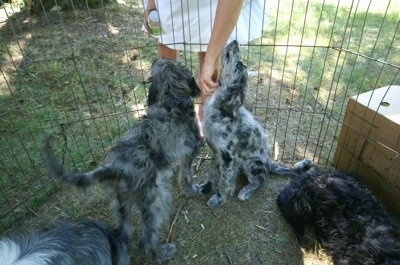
column 228, row 258
column 171, row 229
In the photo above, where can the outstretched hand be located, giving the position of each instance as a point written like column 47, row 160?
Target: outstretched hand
column 208, row 80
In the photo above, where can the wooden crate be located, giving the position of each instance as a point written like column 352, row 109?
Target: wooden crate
column 369, row 142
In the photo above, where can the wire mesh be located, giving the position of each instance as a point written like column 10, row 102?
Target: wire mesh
column 81, row 72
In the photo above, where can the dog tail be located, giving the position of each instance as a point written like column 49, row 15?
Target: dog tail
column 79, row 179
column 305, row 165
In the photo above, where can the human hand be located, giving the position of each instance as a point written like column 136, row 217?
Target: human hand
column 151, row 5
column 208, row 80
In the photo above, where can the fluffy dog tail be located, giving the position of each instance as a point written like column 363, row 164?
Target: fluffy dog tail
column 299, row 168
column 79, row 179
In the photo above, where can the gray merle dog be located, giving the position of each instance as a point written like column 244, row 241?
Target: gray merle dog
column 140, row 165
column 347, row 219
column 69, row 243
column 237, row 140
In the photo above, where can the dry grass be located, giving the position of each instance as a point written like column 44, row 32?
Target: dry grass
column 251, row 232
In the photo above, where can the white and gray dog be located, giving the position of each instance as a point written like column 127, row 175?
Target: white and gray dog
column 348, row 221
column 140, row 165
column 69, row 243
column 237, row 140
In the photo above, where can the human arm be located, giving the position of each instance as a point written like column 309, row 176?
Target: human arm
column 151, row 5
column 226, row 16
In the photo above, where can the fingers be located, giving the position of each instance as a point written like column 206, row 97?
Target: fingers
column 145, row 22
column 208, row 86
column 208, row 78
column 148, row 30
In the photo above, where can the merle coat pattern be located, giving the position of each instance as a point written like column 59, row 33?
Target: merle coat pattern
column 347, row 219
column 237, row 140
column 140, row 165
column 68, row 243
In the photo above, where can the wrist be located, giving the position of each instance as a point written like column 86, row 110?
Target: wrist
column 210, row 59
column 151, row 5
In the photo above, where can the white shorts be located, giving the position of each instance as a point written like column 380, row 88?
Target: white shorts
column 187, row 24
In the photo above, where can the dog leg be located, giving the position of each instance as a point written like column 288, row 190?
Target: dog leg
column 248, row 190
column 256, row 172
column 212, row 175
column 227, row 184
column 155, row 209
column 124, row 217
column 186, row 179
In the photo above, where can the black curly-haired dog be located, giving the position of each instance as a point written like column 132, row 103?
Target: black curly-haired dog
column 347, row 219
column 237, row 139
column 140, row 165
column 83, row 242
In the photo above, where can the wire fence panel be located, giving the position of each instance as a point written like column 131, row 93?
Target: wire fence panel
column 81, row 73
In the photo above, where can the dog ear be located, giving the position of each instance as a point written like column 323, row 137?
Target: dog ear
column 181, row 82
column 195, row 90
column 233, row 101
column 152, row 97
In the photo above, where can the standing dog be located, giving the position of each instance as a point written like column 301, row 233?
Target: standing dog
column 347, row 219
column 140, row 165
column 237, row 140
column 84, row 242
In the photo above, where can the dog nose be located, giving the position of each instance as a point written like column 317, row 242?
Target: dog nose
column 233, row 45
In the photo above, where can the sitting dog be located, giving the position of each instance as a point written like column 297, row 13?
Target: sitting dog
column 83, row 242
column 237, row 140
column 347, row 219
column 140, row 165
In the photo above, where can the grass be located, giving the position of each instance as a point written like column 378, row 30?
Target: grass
column 82, row 75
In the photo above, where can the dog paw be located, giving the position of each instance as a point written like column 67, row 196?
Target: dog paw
column 215, row 200
column 244, row 194
column 305, row 164
column 192, row 190
column 164, row 254
column 167, row 251
column 205, row 188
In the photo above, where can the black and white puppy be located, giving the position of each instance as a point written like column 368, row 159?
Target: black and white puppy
column 83, row 242
column 139, row 167
column 236, row 138
column 347, row 219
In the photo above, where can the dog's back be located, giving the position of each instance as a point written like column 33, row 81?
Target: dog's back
column 347, row 219
column 83, row 242
column 166, row 133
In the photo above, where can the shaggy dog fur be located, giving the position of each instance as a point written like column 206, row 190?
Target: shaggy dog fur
column 347, row 219
column 83, row 242
column 140, row 165
column 237, row 140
